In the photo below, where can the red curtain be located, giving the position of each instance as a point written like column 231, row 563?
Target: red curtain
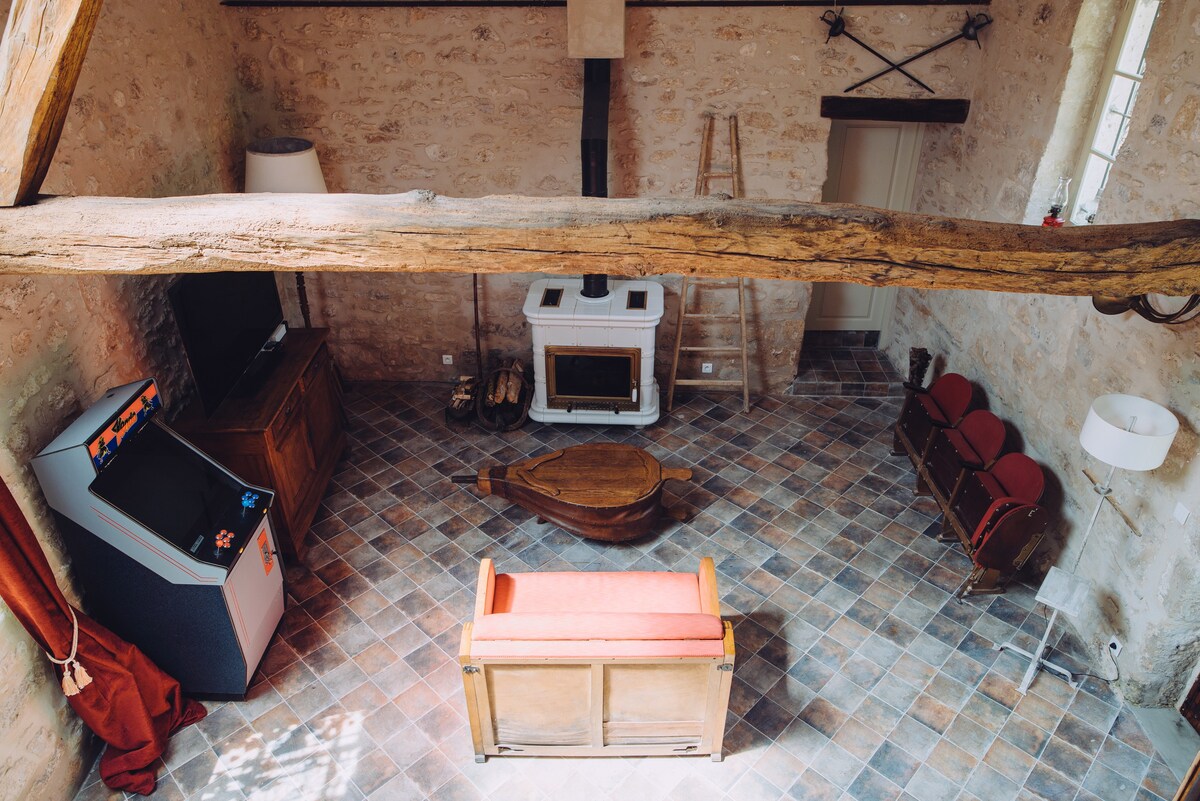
column 130, row 704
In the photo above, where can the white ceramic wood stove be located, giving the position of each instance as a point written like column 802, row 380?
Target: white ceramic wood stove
column 593, row 358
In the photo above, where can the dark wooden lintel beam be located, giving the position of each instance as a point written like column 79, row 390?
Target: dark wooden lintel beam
column 895, row 109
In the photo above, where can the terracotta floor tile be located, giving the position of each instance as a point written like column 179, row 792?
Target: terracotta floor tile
column 952, row 762
column 1009, row 761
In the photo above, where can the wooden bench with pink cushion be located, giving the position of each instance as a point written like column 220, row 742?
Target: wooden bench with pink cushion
column 597, row 664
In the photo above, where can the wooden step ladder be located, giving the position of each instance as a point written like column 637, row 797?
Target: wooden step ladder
column 705, row 173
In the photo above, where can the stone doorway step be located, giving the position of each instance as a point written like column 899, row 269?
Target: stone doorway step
column 845, row 363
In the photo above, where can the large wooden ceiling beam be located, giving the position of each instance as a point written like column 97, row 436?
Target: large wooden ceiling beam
column 41, row 56
column 423, row 232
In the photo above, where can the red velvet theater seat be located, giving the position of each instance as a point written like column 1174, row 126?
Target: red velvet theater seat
column 928, row 410
column 1006, row 542
column 995, row 515
column 973, row 444
column 981, row 494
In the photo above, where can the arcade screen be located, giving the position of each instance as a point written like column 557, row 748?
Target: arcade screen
column 176, row 493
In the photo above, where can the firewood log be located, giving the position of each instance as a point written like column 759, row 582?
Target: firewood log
column 514, row 381
column 463, row 393
column 501, row 391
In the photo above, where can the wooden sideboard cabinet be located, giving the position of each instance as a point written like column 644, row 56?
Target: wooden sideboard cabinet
column 287, row 436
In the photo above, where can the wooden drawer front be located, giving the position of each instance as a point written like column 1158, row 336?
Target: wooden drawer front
column 289, row 414
column 317, row 368
column 293, row 467
column 323, row 415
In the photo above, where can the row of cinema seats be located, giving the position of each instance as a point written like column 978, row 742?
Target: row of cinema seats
column 989, row 501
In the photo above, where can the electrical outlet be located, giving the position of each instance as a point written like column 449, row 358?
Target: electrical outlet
column 706, row 367
column 447, row 358
column 1115, row 646
column 1182, row 513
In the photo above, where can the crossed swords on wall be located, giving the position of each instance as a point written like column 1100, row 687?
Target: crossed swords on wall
column 837, row 27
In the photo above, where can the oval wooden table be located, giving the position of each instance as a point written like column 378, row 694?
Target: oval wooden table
column 602, row 491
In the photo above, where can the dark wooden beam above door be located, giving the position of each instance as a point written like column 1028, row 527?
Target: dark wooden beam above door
column 895, row 109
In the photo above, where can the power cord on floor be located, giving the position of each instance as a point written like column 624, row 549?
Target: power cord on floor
column 1078, row 676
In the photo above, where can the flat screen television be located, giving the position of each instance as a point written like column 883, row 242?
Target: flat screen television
column 225, row 320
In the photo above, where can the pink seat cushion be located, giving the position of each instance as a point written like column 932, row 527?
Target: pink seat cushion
column 596, row 649
column 597, row 615
column 536, row 593
column 598, row 626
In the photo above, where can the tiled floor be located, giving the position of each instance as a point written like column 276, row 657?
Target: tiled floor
column 858, row 678
column 834, row 365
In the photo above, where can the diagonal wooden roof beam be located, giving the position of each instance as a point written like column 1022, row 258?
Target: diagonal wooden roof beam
column 423, row 232
column 41, row 56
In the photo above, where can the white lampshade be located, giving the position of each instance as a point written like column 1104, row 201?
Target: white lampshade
column 1144, row 447
column 283, row 164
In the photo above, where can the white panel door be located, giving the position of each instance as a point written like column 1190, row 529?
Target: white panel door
column 872, row 164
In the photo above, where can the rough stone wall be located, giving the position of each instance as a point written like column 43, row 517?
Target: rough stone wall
column 155, row 114
column 397, row 327
column 156, row 111
column 1042, row 360
column 984, row 168
column 471, row 102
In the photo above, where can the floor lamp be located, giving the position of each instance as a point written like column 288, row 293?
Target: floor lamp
column 286, row 164
column 1122, row 431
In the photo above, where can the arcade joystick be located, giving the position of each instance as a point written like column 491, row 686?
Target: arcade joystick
column 249, row 499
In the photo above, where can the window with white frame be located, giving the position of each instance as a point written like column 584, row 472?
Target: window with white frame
column 1119, row 88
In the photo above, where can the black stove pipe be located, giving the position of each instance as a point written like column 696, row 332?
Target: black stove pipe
column 593, row 148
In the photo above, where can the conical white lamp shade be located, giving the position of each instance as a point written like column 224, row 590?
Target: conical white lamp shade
column 283, row 164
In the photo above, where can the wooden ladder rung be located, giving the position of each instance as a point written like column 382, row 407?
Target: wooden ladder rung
column 704, row 172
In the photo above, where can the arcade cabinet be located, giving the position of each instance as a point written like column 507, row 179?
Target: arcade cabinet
column 173, row 552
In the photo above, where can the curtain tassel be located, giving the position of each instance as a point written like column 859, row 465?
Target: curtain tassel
column 82, row 677
column 74, row 676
